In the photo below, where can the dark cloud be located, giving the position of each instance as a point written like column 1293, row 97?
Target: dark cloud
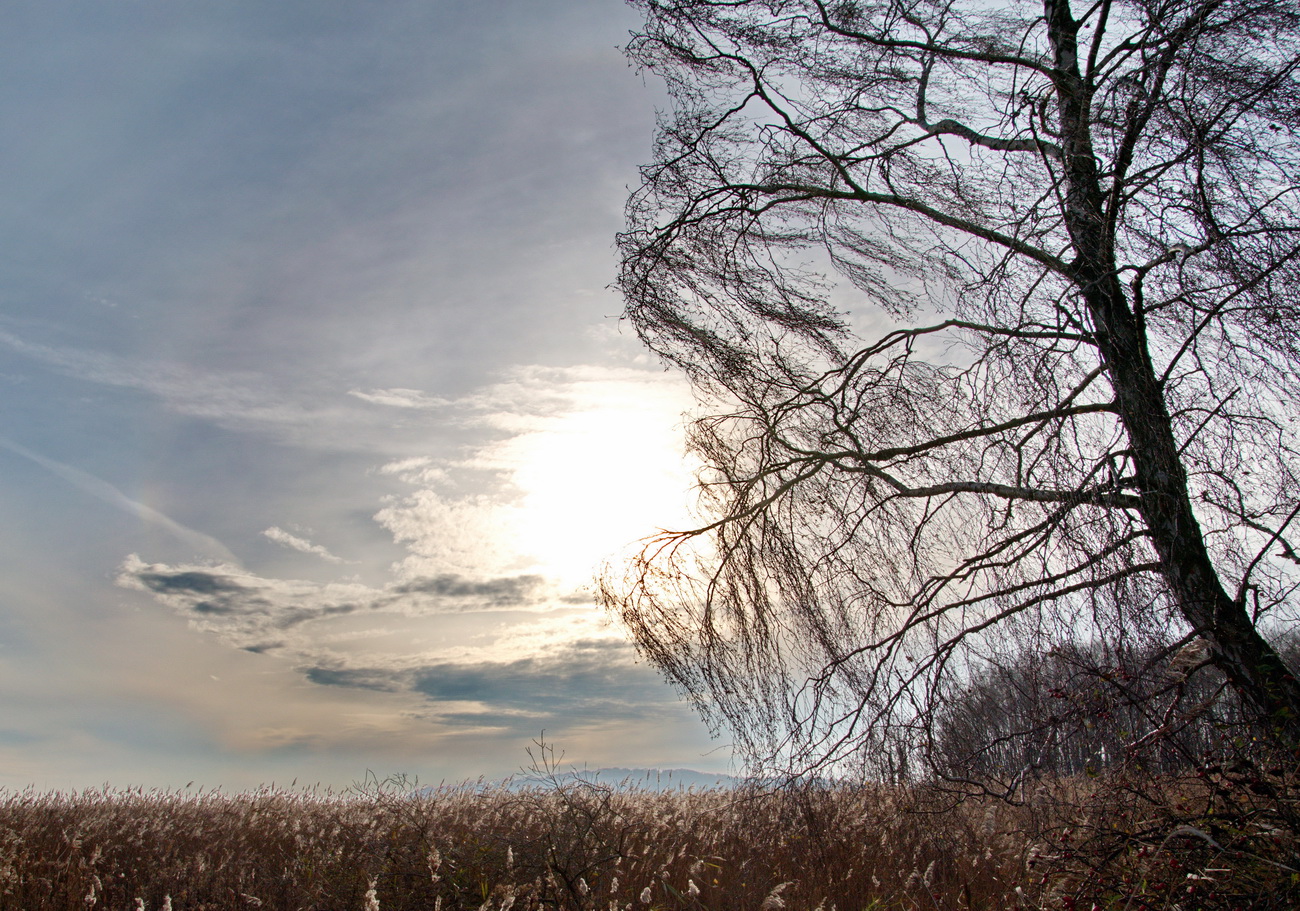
column 524, row 683
column 253, row 603
column 213, row 607
column 585, row 681
column 249, row 610
column 262, row 648
column 261, row 615
column 245, row 610
column 508, row 590
column 359, row 678
column 188, row 581
column 588, row 686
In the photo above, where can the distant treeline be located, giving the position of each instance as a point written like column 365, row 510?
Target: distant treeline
column 1079, row 709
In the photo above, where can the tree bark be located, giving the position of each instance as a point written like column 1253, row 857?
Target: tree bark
column 1236, row 647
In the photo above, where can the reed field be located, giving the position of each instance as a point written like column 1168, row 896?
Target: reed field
column 1219, row 840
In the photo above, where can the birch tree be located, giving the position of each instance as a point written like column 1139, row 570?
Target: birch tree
column 992, row 311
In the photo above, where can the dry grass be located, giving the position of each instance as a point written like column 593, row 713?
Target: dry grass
column 571, row 845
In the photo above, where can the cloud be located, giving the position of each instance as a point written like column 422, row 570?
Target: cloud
column 511, row 591
column 566, row 663
column 192, row 582
column 237, row 400
column 240, row 607
column 447, row 531
column 102, row 490
column 359, row 678
column 416, row 470
column 590, row 684
column 483, row 623
column 565, row 466
column 183, row 388
column 588, row 680
column 259, row 614
column 280, row 536
column 571, row 465
column 400, row 398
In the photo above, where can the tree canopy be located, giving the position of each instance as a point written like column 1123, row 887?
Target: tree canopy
column 992, row 309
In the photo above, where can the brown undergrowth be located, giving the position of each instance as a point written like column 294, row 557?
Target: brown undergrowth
column 1218, row 838
column 1224, row 838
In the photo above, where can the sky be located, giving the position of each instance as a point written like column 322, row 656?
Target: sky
column 316, row 413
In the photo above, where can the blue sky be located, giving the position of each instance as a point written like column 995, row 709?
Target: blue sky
column 316, row 415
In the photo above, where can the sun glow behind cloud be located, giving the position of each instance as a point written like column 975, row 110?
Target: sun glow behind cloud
column 274, row 350
column 596, row 479
column 492, row 601
column 576, row 465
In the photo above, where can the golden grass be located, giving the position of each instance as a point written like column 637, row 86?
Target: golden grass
column 572, row 845
column 569, row 846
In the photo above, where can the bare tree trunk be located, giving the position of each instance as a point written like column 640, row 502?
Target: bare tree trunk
column 1236, row 647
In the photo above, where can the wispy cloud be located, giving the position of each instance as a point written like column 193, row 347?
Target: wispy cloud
column 302, row 545
column 187, row 390
column 239, row 400
column 102, row 490
column 400, row 398
column 344, row 184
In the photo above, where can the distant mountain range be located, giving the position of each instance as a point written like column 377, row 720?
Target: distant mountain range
column 655, row 780
column 634, row 779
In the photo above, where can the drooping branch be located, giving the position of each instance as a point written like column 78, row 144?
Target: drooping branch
column 1068, row 239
